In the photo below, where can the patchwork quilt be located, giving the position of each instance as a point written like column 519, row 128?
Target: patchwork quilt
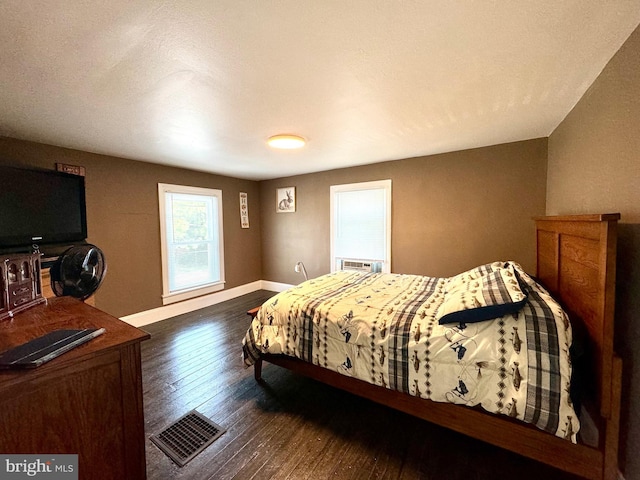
column 490, row 336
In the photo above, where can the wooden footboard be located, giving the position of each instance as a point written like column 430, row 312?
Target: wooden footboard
column 576, row 262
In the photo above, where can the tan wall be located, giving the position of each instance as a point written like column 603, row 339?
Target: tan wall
column 123, row 220
column 450, row 212
column 594, row 167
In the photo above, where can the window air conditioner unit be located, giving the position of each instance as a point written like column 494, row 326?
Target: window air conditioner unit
column 360, row 265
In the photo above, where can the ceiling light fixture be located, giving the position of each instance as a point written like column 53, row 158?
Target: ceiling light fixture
column 286, row 141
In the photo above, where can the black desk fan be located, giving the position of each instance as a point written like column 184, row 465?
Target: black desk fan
column 78, row 272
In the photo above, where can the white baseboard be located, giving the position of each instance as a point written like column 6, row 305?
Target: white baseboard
column 162, row 313
column 275, row 286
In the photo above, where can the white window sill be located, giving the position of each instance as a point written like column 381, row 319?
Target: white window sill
column 182, row 295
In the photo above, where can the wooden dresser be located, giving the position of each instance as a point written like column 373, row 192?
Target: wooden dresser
column 88, row 401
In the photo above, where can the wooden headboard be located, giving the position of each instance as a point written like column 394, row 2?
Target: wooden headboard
column 576, row 262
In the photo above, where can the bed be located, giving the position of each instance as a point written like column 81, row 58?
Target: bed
column 575, row 265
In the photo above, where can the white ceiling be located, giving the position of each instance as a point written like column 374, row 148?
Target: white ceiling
column 202, row 84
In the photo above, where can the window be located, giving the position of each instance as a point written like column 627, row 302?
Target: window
column 191, row 240
column 361, row 223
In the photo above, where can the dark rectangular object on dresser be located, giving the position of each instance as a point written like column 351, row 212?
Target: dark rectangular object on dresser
column 47, row 347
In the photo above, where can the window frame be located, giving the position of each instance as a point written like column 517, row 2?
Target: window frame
column 168, row 296
column 352, row 187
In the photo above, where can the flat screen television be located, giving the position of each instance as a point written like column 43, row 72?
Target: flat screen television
column 41, row 207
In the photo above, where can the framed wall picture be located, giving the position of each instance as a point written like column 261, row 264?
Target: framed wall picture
column 286, row 200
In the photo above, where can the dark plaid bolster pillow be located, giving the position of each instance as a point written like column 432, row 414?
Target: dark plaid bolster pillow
column 493, row 295
column 476, row 273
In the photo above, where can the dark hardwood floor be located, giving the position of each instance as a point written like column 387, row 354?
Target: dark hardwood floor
column 292, row 427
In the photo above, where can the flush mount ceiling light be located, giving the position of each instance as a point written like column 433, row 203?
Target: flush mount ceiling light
column 286, row 141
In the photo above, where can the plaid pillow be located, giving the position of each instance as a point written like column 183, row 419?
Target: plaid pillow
column 475, row 298
column 476, row 273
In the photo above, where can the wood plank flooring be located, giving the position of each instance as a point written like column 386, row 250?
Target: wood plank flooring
column 292, row 427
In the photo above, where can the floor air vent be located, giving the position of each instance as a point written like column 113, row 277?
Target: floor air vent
column 187, row 437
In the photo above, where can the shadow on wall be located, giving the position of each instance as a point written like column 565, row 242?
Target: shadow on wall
column 627, row 340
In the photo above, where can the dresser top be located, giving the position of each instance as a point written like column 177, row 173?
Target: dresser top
column 65, row 313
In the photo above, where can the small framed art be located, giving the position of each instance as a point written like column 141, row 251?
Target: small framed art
column 286, row 200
